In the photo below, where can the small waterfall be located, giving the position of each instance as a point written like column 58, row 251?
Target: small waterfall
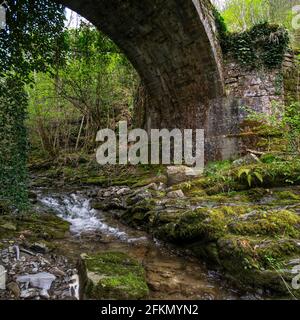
column 77, row 210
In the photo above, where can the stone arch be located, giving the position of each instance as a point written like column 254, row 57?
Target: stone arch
column 173, row 46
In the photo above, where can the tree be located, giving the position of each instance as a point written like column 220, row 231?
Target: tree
column 29, row 42
column 33, row 37
column 94, row 89
column 240, row 15
column 243, row 14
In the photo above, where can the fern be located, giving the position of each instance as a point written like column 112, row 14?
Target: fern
column 250, row 176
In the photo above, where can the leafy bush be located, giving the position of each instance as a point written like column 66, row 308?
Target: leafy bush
column 263, row 45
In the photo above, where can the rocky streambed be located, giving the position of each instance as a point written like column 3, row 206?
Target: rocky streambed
column 151, row 242
column 105, row 244
column 108, row 258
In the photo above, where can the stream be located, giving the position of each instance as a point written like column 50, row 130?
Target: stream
column 170, row 273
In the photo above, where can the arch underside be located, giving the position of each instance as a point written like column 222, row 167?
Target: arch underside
column 171, row 45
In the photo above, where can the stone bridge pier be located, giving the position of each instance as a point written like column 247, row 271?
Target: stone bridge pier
column 173, row 46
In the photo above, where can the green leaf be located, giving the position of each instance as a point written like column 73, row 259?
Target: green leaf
column 243, row 171
column 249, row 179
column 259, row 177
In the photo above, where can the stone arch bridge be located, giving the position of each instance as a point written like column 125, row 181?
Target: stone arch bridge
column 173, row 45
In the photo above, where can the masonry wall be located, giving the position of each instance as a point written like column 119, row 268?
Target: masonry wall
column 244, row 88
column 257, row 90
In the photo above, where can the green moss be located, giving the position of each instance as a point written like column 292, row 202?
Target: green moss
column 114, row 275
column 97, row 181
column 35, row 226
column 270, row 223
column 139, row 218
column 258, row 262
column 44, row 226
column 287, row 195
column 8, row 226
column 256, row 47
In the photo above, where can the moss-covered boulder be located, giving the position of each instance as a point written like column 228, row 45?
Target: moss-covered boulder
column 252, row 244
column 111, row 275
column 34, row 226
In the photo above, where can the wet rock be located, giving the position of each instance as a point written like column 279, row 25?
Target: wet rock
column 2, row 278
column 111, row 275
column 294, row 262
column 14, row 289
column 107, row 194
column 57, row 272
column 32, row 197
column 39, row 247
column 115, row 203
column 139, row 196
column 123, row 191
column 42, row 280
column 29, row 293
column 44, row 294
column 176, row 194
column 248, row 159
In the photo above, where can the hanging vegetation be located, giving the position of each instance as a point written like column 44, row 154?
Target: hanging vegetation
column 263, row 45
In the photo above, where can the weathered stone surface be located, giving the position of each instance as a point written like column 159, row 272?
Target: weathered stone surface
column 111, row 275
column 186, row 83
column 176, row 194
column 39, row 247
column 178, row 174
column 250, row 158
column 42, row 280
column 29, row 293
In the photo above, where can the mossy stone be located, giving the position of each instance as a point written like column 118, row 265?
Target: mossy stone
column 111, row 275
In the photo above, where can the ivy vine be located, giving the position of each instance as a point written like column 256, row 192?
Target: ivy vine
column 264, row 45
column 13, row 173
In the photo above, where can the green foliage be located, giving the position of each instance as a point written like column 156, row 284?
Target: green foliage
column 32, row 38
column 250, row 175
column 291, row 120
column 220, row 24
column 256, row 44
column 94, row 89
column 283, row 121
column 263, row 45
column 13, row 143
column 240, row 15
column 30, row 42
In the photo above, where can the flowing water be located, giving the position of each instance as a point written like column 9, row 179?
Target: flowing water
column 171, row 274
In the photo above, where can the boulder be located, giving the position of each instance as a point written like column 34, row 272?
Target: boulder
column 250, row 158
column 123, row 191
column 179, row 174
column 42, row 280
column 111, row 275
column 176, row 194
column 14, row 289
column 39, row 247
column 29, row 293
